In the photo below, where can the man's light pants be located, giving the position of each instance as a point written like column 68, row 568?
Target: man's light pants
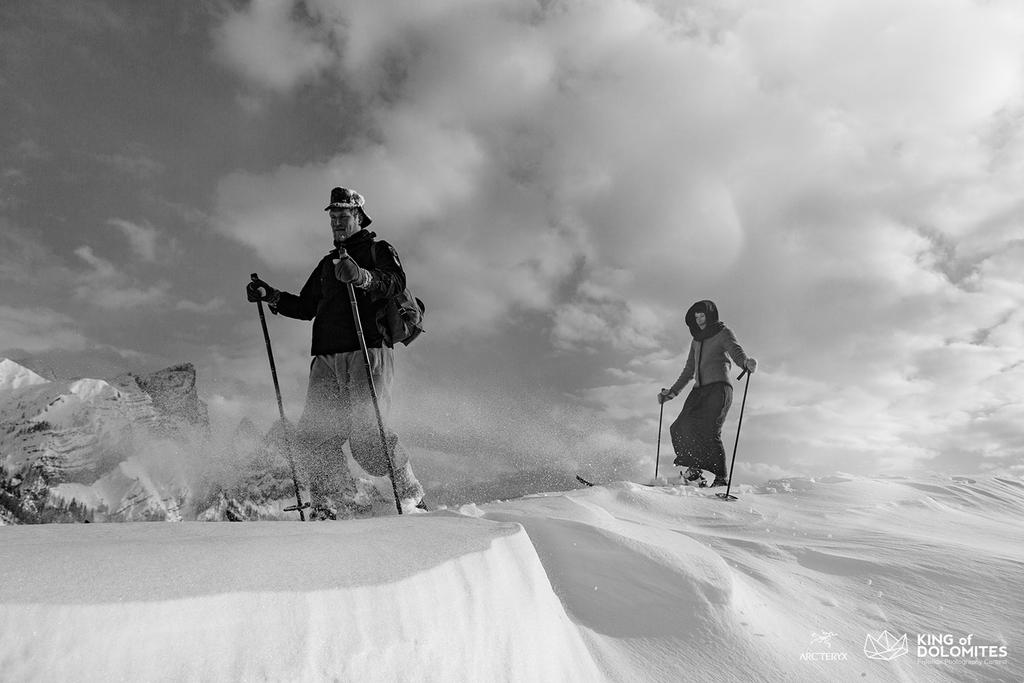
column 339, row 408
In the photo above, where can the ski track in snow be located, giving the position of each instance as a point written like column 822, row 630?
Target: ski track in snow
column 619, row 582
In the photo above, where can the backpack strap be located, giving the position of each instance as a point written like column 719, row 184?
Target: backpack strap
column 373, row 253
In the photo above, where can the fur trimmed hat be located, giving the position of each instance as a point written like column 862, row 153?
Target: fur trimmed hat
column 344, row 198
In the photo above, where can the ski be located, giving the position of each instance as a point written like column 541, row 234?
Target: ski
column 590, row 483
column 720, row 495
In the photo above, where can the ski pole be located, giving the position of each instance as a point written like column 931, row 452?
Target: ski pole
column 657, row 455
column 726, row 496
column 299, row 505
column 373, row 393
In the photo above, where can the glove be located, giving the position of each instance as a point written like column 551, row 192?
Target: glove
column 258, row 290
column 750, row 366
column 665, row 395
column 348, row 271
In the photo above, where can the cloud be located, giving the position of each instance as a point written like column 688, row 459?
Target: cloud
column 213, row 305
column 39, row 329
column 24, row 259
column 107, row 287
column 143, row 238
column 30, row 150
column 599, row 318
column 102, row 268
column 841, row 177
column 281, row 214
column 33, row 272
column 270, row 45
column 829, row 54
column 12, row 180
column 89, row 15
column 137, row 165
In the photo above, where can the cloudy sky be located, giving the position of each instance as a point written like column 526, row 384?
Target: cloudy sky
column 562, row 179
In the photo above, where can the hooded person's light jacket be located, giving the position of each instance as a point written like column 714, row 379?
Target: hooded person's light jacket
column 712, row 351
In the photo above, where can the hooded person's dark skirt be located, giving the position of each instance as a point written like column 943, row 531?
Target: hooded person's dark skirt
column 697, row 432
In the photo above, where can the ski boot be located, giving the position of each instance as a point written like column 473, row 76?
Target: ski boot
column 693, row 474
column 357, row 507
column 323, row 513
column 413, row 506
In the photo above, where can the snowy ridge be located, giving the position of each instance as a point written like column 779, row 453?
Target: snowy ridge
column 89, row 389
column 14, row 376
column 66, row 421
column 620, row 582
column 374, row 615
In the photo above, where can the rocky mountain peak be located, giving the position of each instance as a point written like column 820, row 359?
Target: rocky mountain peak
column 173, row 391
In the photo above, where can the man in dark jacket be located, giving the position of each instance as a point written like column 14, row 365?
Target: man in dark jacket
column 339, row 405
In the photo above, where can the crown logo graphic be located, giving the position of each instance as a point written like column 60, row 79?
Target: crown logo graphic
column 885, row 646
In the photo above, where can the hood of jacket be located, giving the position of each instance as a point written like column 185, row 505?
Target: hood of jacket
column 713, row 325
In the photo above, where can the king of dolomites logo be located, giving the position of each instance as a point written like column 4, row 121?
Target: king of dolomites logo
column 885, row 646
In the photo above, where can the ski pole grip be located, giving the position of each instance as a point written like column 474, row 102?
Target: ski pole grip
column 256, row 278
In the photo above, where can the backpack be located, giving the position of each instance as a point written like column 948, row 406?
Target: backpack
column 401, row 318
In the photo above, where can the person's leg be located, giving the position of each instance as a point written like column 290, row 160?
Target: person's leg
column 697, row 432
column 321, row 435
column 364, row 439
column 719, row 401
column 682, row 430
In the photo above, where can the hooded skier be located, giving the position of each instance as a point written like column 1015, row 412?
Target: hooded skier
column 339, row 405
column 697, row 432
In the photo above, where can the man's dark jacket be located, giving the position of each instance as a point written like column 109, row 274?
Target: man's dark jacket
column 324, row 299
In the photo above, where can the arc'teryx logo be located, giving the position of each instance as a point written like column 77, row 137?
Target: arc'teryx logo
column 823, row 638
column 885, row 646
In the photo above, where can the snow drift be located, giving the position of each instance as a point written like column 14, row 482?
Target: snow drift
column 618, row 582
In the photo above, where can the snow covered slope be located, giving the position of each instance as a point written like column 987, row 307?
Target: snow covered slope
column 88, row 441
column 14, row 376
column 426, row 597
column 800, row 580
